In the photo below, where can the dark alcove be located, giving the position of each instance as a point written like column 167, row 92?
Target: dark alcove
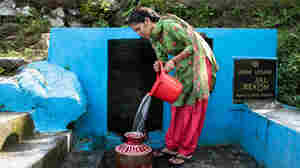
column 131, row 76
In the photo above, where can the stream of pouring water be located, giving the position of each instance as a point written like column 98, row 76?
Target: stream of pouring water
column 141, row 114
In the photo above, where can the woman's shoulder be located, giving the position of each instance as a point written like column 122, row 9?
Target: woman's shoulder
column 168, row 23
column 167, row 20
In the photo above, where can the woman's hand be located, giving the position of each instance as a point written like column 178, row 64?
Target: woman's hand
column 169, row 66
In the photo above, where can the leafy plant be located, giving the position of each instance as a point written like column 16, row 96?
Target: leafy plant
column 98, row 9
column 100, row 23
column 30, row 33
column 1, row 70
column 27, row 53
column 297, row 101
column 283, row 15
column 289, row 67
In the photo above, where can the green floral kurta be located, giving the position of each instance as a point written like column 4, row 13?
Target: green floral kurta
column 173, row 36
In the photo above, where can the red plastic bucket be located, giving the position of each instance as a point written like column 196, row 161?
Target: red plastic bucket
column 166, row 87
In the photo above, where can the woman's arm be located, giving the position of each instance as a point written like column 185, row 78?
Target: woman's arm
column 175, row 33
column 160, row 54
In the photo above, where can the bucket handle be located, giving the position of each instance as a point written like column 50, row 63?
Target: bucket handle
column 162, row 71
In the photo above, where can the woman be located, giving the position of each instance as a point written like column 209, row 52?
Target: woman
column 195, row 67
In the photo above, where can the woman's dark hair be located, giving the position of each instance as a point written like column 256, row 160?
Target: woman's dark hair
column 139, row 14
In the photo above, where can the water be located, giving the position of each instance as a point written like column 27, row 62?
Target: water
column 141, row 114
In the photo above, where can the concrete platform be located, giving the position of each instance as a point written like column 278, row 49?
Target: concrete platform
column 17, row 124
column 83, row 159
column 227, row 156
column 278, row 113
column 270, row 132
column 41, row 151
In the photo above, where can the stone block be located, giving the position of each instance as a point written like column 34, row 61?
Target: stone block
column 53, row 92
column 15, row 124
column 41, row 151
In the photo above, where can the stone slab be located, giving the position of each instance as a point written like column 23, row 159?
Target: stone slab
column 270, row 133
column 42, row 151
column 15, row 123
column 277, row 112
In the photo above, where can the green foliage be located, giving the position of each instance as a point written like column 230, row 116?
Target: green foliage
column 297, row 101
column 31, row 28
column 158, row 5
column 2, row 70
column 34, row 23
column 26, row 53
column 95, row 8
column 100, row 23
column 11, row 53
column 196, row 16
column 274, row 17
column 282, row 15
column 98, row 9
column 289, row 67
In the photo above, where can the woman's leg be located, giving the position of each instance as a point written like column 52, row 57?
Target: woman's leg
column 173, row 134
column 194, row 122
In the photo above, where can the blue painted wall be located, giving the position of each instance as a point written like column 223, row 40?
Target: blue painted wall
column 84, row 51
column 271, row 144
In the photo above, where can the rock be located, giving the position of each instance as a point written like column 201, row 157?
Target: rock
column 57, row 3
column 58, row 12
column 13, row 37
column 7, row 8
column 43, row 43
column 114, row 5
column 56, row 22
column 54, row 93
column 10, row 64
column 56, row 17
column 24, row 11
column 16, row 125
column 72, row 18
column 73, row 12
column 20, row 3
column 88, row 19
column 76, row 24
column 8, row 29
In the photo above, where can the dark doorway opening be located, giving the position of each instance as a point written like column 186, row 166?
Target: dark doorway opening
column 130, row 77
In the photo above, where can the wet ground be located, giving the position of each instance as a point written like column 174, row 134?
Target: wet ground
column 229, row 156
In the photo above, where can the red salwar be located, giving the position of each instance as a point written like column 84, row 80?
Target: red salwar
column 186, row 124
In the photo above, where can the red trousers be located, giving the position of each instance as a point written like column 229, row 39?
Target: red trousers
column 186, row 124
